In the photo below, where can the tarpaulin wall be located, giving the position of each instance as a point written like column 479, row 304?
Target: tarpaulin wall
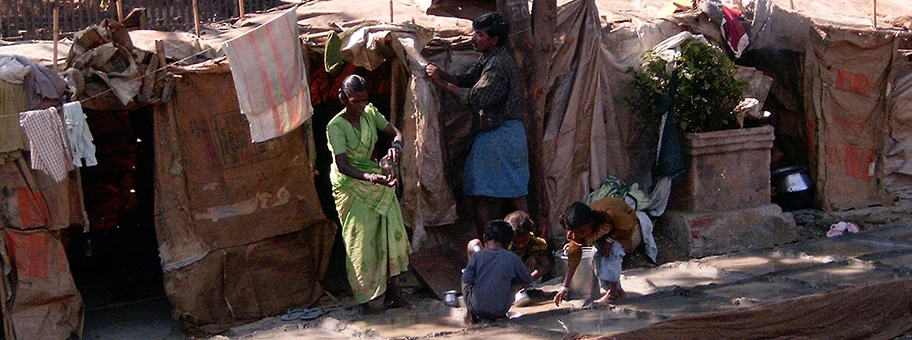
column 590, row 132
column 40, row 300
column 898, row 153
column 240, row 229
column 847, row 74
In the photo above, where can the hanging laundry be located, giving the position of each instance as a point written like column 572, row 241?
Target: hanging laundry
column 40, row 82
column 47, row 142
column 268, row 71
column 81, row 145
column 13, row 99
column 733, row 30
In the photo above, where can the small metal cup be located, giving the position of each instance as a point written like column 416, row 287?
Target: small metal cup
column 450, row 298
column 386, row 166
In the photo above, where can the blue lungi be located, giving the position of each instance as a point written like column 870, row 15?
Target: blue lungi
column 498, row 165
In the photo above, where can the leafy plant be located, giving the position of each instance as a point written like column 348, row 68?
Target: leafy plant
column 707, row 89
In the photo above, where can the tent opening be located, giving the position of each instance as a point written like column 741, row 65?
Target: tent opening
column 324, row 89
column 117, row 261
column 785, row 102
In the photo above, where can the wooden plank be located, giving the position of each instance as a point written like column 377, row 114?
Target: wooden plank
column 440, row 268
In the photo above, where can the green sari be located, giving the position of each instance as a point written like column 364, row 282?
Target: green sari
column 376, row 243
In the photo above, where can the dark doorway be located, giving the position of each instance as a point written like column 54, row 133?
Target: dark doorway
column 326, row 106
column 117, row 261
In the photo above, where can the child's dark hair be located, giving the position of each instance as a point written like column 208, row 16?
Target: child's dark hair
column 499, row 231
column 521, row 222
column 494, row 25
column 576, row 215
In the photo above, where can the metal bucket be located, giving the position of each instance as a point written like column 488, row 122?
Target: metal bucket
column 584, row 284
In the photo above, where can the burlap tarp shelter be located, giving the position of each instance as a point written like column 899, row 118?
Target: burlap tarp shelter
column 214, row 192
column 38, row 298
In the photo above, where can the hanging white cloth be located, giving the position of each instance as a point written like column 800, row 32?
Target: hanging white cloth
column 81, row 145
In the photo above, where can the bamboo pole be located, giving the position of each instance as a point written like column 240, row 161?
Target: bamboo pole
column 241, row 8
column 196, row 19
column 56, row 32
column 119, row 10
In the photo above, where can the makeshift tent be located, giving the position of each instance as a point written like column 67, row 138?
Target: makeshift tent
column 208, row 211
column 39, row 297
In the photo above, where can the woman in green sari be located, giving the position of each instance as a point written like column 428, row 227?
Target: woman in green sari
column 376, row 243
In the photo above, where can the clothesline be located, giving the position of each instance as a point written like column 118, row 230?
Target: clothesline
column 139, row 78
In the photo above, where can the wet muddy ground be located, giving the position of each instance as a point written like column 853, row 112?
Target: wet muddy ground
column 882, row 251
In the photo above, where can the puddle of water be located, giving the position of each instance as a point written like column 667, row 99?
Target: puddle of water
column 413, row 323
column 595, row 321
column 308, row 333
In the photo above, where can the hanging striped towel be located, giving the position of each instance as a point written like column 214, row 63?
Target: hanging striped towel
column 268, row 71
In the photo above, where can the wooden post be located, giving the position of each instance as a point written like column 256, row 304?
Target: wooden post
column 240, row 8
column 792, row 4
column 160, row 51
column 391, row 11
column 516, row 12
column 544, row 22
column 196, row 17
column 56, row 32
column 874, row 15
column 119, row 10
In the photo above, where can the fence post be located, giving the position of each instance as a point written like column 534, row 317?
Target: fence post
column 874, row 15
column 56, row 32
column 119, row 10
column 196, row 19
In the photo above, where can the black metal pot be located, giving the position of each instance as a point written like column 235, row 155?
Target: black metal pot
column 792, row 188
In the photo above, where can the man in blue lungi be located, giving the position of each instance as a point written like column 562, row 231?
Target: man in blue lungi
column 497, row 168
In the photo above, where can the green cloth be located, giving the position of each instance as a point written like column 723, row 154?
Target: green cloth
column 332, row 57
column 376, row 243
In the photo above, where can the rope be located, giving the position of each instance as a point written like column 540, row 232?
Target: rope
column 136, row 79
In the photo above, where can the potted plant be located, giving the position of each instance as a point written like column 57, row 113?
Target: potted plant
column 726, row 182
column 707, row 89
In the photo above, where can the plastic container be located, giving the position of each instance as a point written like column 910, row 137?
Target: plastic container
column 584, row 284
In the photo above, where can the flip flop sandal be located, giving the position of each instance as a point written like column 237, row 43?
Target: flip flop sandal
column 303, row 314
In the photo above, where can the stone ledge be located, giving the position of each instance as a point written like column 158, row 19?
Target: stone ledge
column 685, row 235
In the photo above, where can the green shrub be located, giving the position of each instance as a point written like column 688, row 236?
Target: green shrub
column 707, row 88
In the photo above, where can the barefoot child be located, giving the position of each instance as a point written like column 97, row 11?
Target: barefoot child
column 609, row 225
column 492, row 273
column 531, row 249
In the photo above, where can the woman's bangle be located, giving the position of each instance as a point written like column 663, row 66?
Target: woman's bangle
column 564, row 289
column 397, row 144
column 370, row 178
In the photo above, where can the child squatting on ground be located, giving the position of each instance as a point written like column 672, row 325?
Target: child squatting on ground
column 532, row 250
column 609, row 225
column 492, row 273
